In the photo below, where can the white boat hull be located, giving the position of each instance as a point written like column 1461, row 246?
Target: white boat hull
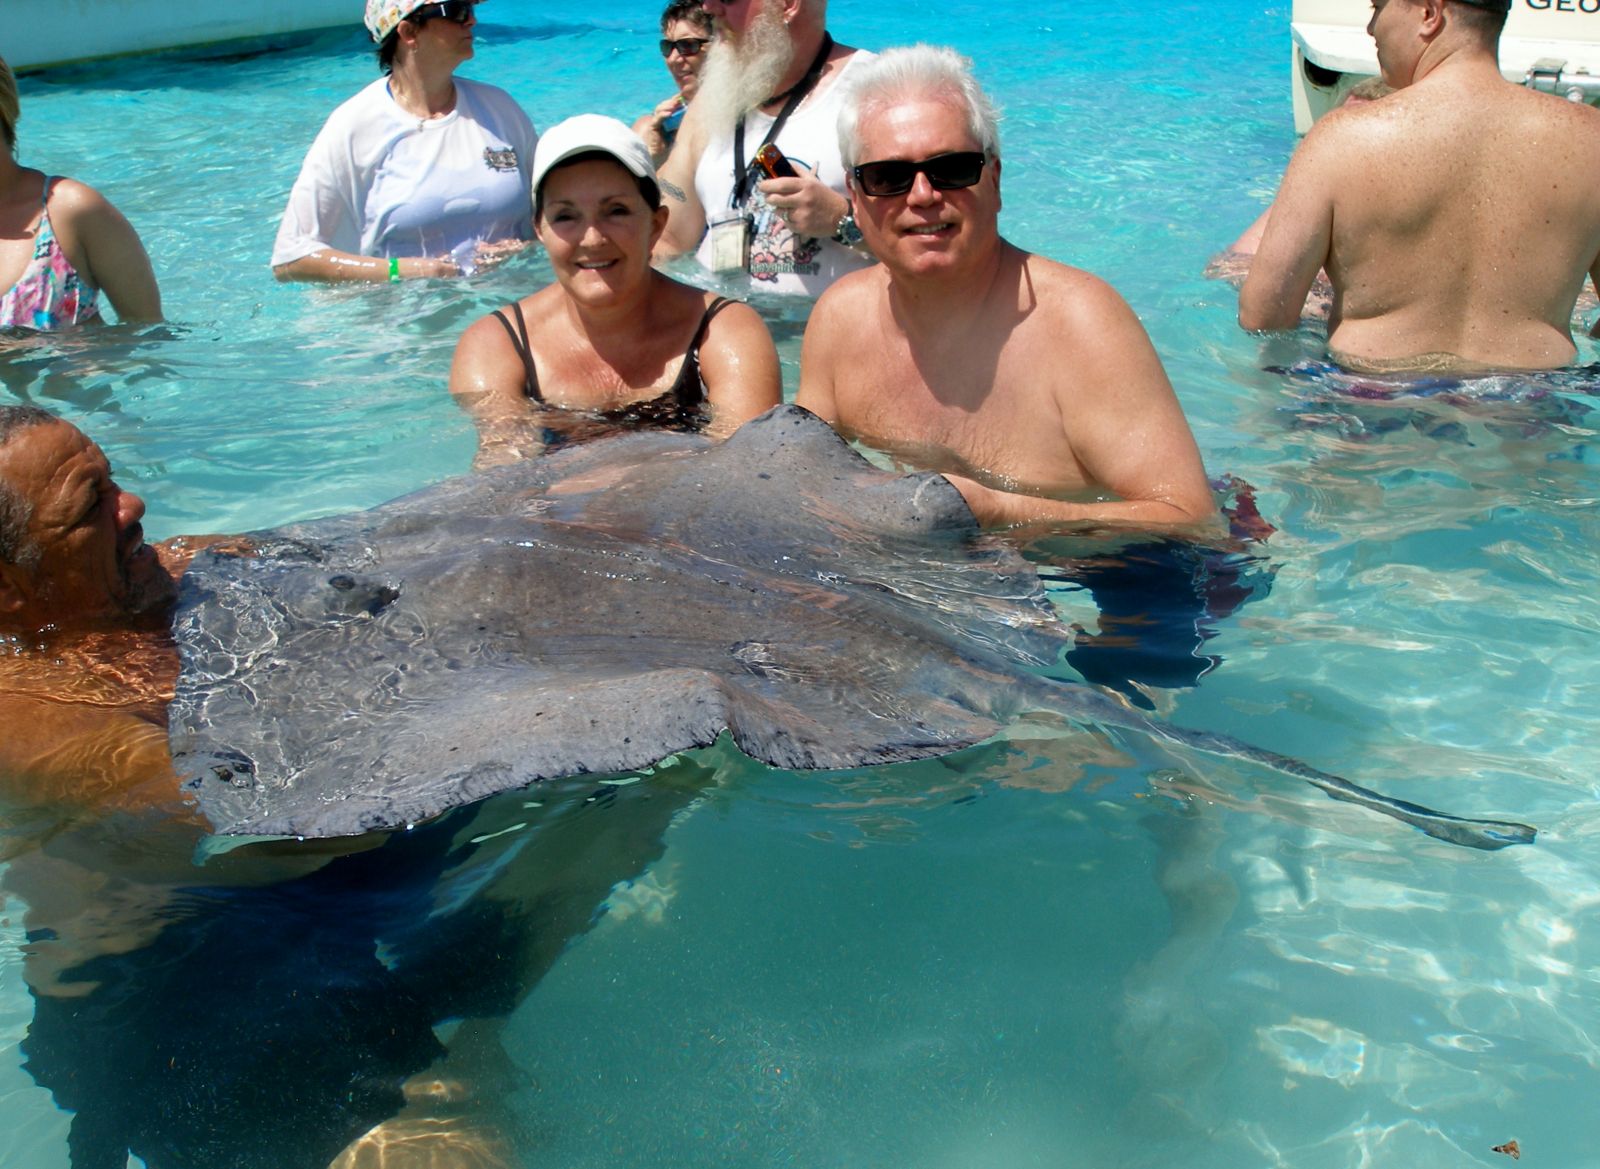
column 1331, row 50
column 38, row 33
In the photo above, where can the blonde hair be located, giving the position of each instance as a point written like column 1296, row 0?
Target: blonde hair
column 10, row 111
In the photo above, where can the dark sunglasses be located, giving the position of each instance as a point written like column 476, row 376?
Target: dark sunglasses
column 455, row 11
column 687, row 46
column 946, row 172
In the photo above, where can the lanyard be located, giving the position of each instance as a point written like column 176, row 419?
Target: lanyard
column 741, row 172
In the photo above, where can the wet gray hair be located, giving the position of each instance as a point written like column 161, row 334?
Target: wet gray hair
column 920, row 71
column 15, row 508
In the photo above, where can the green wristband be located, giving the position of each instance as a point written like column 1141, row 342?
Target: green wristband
column 394, row 269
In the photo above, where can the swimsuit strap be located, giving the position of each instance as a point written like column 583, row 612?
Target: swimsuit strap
column 519, row 342
column 688, row 390
column 45, row 240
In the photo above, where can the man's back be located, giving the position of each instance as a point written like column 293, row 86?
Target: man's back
column 1457, row 219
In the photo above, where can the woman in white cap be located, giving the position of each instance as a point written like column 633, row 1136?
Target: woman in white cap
column 420, row 170
column 612, row 342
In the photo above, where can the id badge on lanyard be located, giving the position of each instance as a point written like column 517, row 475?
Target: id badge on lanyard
column 730, row 242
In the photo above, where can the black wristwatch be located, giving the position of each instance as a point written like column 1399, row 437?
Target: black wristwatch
column 847, row 233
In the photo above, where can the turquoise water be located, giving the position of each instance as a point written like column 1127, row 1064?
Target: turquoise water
column 1047, row 951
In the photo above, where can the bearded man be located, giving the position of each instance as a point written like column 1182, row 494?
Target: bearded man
column 772, row 78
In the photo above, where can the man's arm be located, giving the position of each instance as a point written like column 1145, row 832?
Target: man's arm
column 686, row 219
column 77, row 756
column 1294, row 245
column 823, row 338
column 1121, row 418
column 1594, row 280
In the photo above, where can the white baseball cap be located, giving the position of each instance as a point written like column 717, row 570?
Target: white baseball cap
column 592, row 132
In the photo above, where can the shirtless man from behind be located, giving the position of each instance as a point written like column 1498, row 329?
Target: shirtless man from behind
column 1030, row 384
column 1457, row 218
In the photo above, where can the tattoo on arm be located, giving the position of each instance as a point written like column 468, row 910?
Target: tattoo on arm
column 674, row 191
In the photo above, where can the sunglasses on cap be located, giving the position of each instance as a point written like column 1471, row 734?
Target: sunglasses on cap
column 685, row 46
column 455, row 11
column 945, row 172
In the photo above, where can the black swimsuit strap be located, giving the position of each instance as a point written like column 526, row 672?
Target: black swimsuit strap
column 519, row 342
column 688, row 390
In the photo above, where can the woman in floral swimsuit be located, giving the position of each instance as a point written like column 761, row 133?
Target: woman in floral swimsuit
column 62, row 244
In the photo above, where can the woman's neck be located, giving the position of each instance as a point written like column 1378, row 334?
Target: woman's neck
column 422, row 92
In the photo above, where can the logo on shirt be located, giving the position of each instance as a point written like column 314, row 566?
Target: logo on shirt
column 500, row 159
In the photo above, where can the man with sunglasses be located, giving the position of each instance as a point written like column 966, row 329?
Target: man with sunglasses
column 686, row 33
column 1030, row 385
column 1457, row 218
column 771, row 79
column 422, row 173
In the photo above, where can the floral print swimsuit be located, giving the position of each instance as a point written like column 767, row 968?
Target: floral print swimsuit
column 50, row 294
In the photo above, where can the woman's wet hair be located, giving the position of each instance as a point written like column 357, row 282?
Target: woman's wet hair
column 10, row 108
column 914, row 73
column 689, row 10
column 648, row 190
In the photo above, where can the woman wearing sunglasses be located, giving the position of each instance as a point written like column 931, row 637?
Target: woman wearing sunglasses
column 685, row 35
column 422, row 173
column 613, row 343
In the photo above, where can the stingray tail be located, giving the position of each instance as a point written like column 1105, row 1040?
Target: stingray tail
column 1484, row 834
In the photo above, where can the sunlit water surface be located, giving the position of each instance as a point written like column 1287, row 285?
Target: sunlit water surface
column 1047, row 951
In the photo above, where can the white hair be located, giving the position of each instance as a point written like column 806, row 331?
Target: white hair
column 919, row 71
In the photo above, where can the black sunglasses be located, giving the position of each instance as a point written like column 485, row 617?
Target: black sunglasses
column 686, row 46
column 946, row 172
column 455, row 11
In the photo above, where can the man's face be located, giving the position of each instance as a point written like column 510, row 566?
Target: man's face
column 1393, row 29
column 753, row 53
column 93, row 562
column 925, row 231
column 734, row 16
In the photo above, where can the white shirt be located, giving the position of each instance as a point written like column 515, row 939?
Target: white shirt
column 379, row 181
column 781, row 261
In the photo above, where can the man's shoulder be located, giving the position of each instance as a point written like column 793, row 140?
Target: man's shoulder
column 839, row 309
column 1065, row 294
column 1578, row 120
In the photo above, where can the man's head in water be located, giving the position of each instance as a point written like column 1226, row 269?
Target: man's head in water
column 1407, row 32
column 72, row 551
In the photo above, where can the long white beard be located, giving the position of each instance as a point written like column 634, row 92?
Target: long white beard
column 739, row 77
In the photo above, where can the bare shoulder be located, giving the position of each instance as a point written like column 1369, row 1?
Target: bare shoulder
column 1345, row 134
column 842, row 308
column 737, row 323
column 1071, row 299
column 71, row 200
column 1576, row 122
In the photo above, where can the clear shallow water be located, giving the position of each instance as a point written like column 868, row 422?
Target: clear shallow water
column 1051, row 951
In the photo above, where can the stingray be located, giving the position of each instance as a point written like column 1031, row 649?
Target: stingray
column 603, row 607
